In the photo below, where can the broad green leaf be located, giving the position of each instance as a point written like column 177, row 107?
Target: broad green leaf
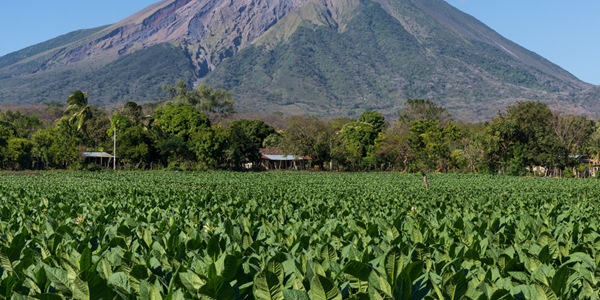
column 85, row 261
column 149, row 291
column 322, row 288
column 456, row 286
column 378, row 294
column 5, row 262
column 414, row 270
column 217, row 288
column 276, row 267
column 393, row 263
column 81, row 290
column 60, row 279
column 267, row 286
column 295, row 295
column 97, row 285
column 213, row 250
column 191, row 281
column 402, row 290
column 358, row 274
column 227, row 267
column 328, row 252
column 16, row 245
column 7, row 285
column 501, row 294
column 416, row 235
column 119, row 280
column 47, row 296
column 544, row 292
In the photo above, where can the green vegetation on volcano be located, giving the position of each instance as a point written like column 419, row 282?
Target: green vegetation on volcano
column 138, row 76
column 371, row 61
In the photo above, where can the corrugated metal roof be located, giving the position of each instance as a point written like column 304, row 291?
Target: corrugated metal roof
column 281, row 157
column 97, row 154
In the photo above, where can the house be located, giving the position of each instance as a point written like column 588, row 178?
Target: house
column 272, row 159
column 100, row 158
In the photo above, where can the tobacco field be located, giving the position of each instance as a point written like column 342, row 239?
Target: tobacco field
column 297, row 236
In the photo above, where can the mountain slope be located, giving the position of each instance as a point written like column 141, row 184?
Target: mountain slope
column 373, row 60
column 322, row 57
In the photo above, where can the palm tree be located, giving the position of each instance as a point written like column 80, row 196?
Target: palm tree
column 78, row 110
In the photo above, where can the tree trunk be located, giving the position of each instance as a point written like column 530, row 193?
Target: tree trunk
column 425, row 181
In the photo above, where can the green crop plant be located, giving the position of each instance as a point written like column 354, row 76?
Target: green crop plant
column 297, row 236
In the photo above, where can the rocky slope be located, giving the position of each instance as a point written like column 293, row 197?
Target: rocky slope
column 323, row 57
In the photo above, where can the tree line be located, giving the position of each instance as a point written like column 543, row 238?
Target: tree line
column 196, row 129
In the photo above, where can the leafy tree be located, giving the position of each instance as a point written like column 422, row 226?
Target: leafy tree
column 390, row 150
column 134, row 145
column 181, row 121
column 240, row 146
column 308, row 136
column 338, row 123
column 43, row 142
column 97, row 127
column 19, row 152
column 256, row 130
column 527, row 124
column 215, row 103
column 429, row 143
column 173, row 149
column 423, row 110
column 68, row 138
column 517, row 164
column 374, row 118
column 24, row 125
column 78, row 111
column 7, row 131
column 571, row 132
column 358, row 136
column 210, row 145
column 273, row 141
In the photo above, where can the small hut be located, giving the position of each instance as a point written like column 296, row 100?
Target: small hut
column 272, row 159
column 100, row 158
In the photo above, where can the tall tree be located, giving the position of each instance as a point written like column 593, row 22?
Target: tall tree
column 257, row 130
column 374, row 118
column 307, row 136
column 240, row 146
column 182, row 121
column 423, row 110
column 24, row 124
column 215, row 103
column 210, row 145
column 571, row 131
column 359, row 136
column 78, row 111
column 527, row 125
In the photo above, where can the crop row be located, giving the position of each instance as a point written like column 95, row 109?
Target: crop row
column 297, row 236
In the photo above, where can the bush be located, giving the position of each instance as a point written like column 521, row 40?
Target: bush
column 94, row 168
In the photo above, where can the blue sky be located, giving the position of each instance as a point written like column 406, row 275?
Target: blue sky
column 564, row 32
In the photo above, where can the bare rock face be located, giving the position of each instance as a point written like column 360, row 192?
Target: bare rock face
column 211, row 30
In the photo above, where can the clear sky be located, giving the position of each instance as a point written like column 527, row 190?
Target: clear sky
column 564, row 32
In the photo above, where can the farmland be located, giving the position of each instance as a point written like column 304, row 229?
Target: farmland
column 297, row 236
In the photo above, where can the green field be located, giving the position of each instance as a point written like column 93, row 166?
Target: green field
column 297, row 236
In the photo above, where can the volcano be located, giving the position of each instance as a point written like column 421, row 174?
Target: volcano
column 315, row 57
